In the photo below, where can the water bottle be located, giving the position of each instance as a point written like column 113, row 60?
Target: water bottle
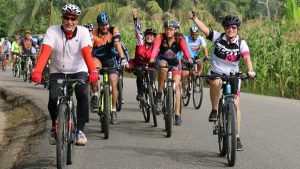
column 228, row 88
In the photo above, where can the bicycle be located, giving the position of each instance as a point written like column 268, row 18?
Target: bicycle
column 65, row 124
column 27, row 69
column 194, row 86
column 168, row 104
column 147, row 104
column 105, row 100
column 225, row 126
column 4, row 61
column 18, row 67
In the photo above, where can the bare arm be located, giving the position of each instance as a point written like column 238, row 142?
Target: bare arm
column 248, row 63
column 199, row 23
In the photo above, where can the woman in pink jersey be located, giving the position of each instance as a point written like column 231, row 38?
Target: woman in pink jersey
column 166, row 47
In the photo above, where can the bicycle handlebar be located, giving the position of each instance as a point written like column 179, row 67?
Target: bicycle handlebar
column 226, row 77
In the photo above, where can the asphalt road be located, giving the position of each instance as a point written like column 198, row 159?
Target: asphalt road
column 270, row 134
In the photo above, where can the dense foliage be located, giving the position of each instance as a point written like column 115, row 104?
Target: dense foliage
column 270, row 27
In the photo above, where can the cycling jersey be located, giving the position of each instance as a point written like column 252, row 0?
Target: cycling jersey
column 26, row 44
column 6, row 47
column 226, row 56
column 103, row 44
column 162, row 50
column 66, row 56
column 194, row 46
column 15, row 47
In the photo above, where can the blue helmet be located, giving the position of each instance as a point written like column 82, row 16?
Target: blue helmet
column 103, row 18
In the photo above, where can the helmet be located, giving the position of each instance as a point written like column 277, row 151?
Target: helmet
column 103, row 18
column 150, row 31
column 171, row 23
column 231, row 20
column 89, row 26
column 71, row 9
column 27, row 31
column 194, row 28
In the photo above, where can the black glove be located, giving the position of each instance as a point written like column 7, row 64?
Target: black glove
column 189, row 65
column 152, row 65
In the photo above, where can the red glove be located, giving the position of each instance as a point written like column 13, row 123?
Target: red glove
column 93, row 77
column 36, row 77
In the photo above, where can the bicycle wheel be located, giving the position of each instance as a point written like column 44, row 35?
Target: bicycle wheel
column 61, row 144
column 71, row 135
column 145, row 108
column 100, row 111
column 25, row 74
column 197, row 91
column 188, row 87
column 221, row 133
column 106, row 111
column 169, row 113
column 29, row 73
column 231, row 133
column 120, row 94
column 15, row 72
column 152, row 104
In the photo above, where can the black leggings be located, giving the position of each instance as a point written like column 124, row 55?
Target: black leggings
column 139, row 79
column 81, row 92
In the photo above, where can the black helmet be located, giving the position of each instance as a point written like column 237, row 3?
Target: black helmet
column 103, row 18
column 231, row 20
column 150, row 31
column 89, row 26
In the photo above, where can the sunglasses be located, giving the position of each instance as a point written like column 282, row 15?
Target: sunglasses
column 66, row 18
column 234, row 27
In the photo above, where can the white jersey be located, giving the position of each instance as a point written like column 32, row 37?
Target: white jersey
column 225, row 58
column 66, row 56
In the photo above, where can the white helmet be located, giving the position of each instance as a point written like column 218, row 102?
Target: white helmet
column 71, row 9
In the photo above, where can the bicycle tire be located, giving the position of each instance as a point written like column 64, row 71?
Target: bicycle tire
column 120, row 95
column 18, row 73
column 71, row 136
column 61, row 145
column 25, row 75
column 231, row 133
column 14, row 72
column 169, row 112
column 145, row 108
column 152, row 104
column 18, row 67
column 186, row 99
column 197, row 91
column 106, row 110
column 221, row 133
column 100, row 111
column 29, row 73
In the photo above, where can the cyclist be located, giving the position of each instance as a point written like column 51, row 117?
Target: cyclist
column 195, row 42
column 105, row 38
column 166, row 46
column 26, row 48
column 6, row 50
column 142, row 53
column 90, row 27
column 68, row 46
column 15, row 49
column 229, row 48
